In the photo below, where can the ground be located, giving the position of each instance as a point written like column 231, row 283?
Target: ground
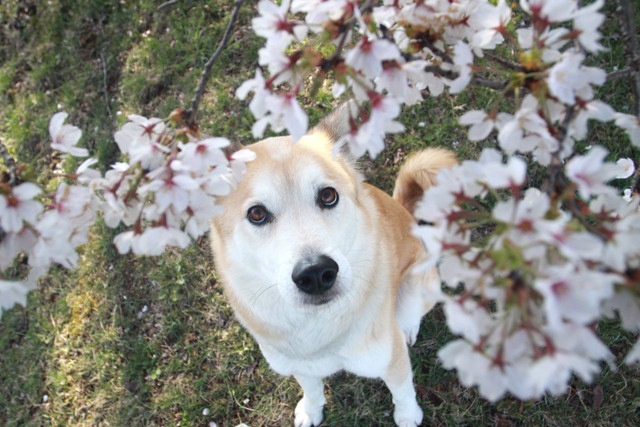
column 151, row 341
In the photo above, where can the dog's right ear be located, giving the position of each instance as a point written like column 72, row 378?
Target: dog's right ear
column 338, row 124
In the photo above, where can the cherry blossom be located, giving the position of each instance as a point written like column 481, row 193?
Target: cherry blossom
column 65, row 137
column 631, row 124
column 369, row 136
column 591, row 173
column 273, row 21
column 19, row 207
column 491, row 20
column 368, row 55
column 550, row 10
column 586, row 21
column 627, row 167
column 12, row 293
column 463, row 62
column 482, row 123
column 140, row 139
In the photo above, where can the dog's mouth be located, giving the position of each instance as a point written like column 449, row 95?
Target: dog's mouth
column 319, row 300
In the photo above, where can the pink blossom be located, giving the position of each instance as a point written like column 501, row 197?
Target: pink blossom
column 368, row 55
column 474, row 368
column 370, row 134
column 201, row 156
column 591, row 173
column 272, row 21
column 140, row 139
column 571, row 294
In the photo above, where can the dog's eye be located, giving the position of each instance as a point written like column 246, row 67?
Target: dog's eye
column 258, row 215
column 327, row 197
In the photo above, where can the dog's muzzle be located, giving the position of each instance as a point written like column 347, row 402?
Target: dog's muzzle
column 315, row 275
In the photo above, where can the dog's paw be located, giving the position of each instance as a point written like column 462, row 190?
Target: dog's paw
column 307, row 415
column 409, row 415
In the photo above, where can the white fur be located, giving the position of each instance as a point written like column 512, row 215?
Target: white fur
column 362, row 329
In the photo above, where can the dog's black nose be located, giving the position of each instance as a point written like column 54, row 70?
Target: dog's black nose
column 315, row 275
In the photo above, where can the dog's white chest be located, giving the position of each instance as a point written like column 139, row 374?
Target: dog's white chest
column 325, row 345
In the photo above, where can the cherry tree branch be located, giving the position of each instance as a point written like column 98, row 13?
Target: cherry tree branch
column 206, row 72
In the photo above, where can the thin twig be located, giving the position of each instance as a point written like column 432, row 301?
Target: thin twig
column 475, row 80
column 206, row 72
column 620, row 74
column 491, row 84
column 105, row 83
column 557, row 180
column 502, row 61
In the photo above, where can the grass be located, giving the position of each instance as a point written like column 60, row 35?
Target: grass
column 151, row 341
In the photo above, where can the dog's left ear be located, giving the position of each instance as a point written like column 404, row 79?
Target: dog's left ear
column 338, row 124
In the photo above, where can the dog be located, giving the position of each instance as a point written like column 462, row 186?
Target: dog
column 323, row 269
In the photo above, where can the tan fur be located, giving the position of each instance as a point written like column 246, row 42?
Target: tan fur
column 418, row 173
column 379, row 295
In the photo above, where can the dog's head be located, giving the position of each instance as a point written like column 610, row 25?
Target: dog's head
column 291, row 227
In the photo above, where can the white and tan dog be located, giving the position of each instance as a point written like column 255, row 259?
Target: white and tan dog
column 318, row 265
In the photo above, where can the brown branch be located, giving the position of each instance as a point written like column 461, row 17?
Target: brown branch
column 206, row 72
column 557, row 180
column 502, row 61
column 475, row 80
column 625, row 73
column 491, row 84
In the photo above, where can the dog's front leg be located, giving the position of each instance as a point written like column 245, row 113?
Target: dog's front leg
column 399, row 380
column 309, row 408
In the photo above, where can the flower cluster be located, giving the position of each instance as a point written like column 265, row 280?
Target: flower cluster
column 47, row 228
column 527, row 271
column 165, row 193
column 167, row 189
column 537, row 279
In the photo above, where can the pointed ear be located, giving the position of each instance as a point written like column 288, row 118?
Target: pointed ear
column 338, row 124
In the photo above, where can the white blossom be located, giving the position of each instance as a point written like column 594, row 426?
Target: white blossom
column 19, row 207
column 591, row 173
column 463, row 62
column 631, row 124
column 627, row 167
column 368, row 55
column 65, row 137
column 586, row 21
